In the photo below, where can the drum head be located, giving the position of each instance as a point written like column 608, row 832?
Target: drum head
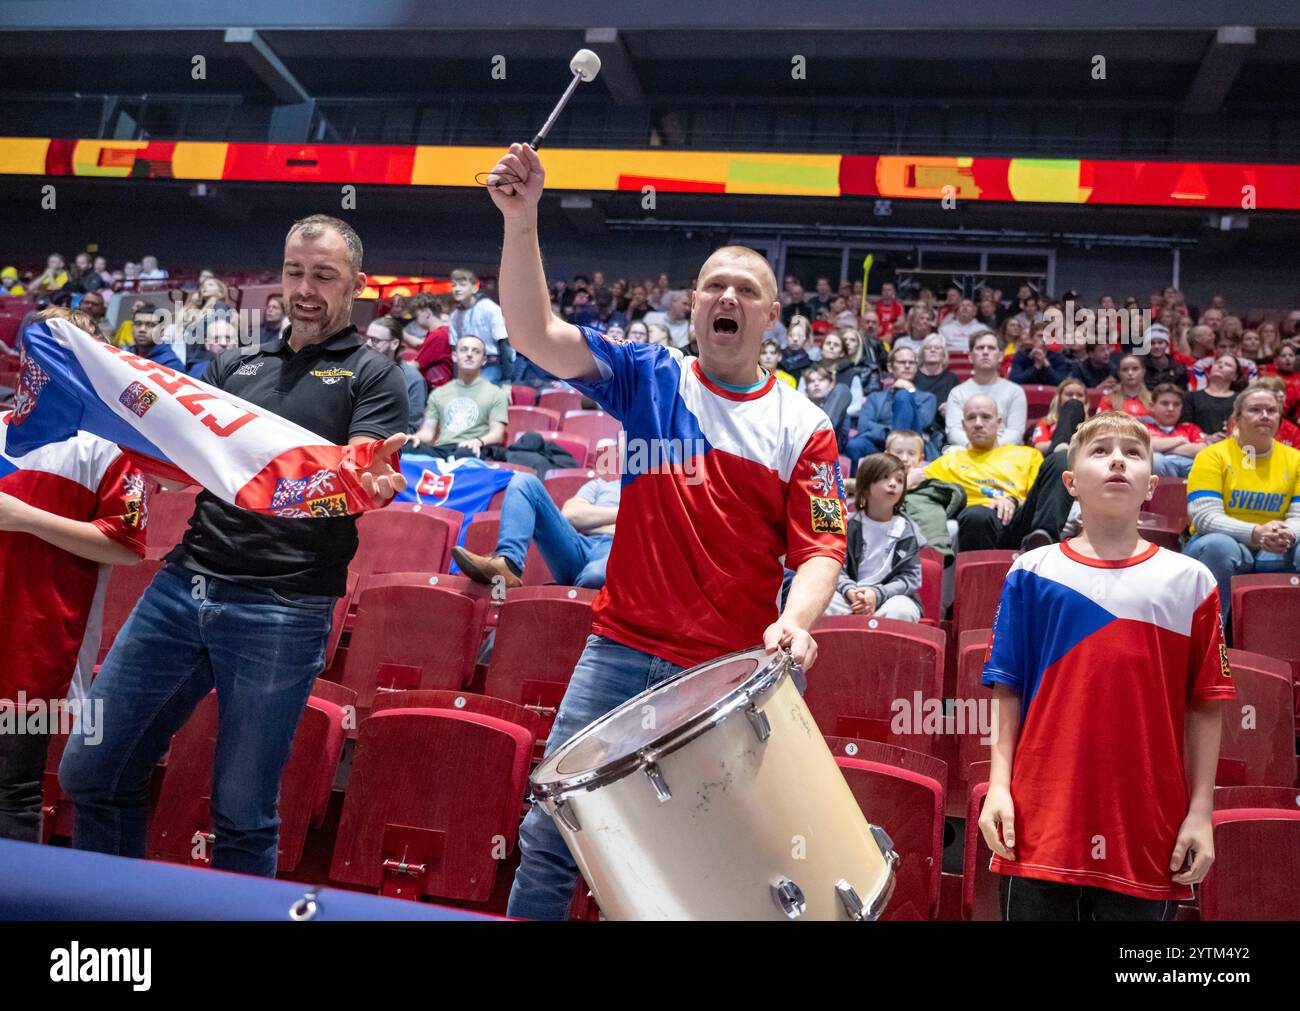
column 652, row 718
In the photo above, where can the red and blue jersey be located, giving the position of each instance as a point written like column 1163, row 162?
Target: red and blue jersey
column 1105, row 656
column 718, row 489
column 51, row 599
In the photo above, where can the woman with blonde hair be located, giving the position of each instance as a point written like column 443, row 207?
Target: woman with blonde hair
column 1071, row 390
column 1011, row 336
column 209, row 301
column 657, row 333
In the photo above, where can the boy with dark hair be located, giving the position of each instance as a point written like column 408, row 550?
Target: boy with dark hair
column 1107, row 666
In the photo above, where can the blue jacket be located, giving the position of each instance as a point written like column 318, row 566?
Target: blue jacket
column 877, row 418
column 1024, row 371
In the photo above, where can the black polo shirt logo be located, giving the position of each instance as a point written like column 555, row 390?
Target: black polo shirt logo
column 331, row 376
column 250, row 368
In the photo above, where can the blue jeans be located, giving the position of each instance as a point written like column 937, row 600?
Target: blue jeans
column 902, row 416
column 1226, row 557
column 607, row 675
column 1171, row 465
column 528, row 511
column 188, row 634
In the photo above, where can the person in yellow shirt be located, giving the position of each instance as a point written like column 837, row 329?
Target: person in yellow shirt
column 1014, row 497
column 10, row 284
column 1243, row 497
column 55, row 276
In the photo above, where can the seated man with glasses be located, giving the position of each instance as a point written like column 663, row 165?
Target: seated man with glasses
column 385, row 336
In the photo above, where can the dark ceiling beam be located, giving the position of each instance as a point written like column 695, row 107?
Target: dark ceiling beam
column 260, row 58
column 616, row 68
column 1219, row 67
column 569, row 15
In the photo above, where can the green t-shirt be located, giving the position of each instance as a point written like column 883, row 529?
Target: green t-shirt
column 466, row 412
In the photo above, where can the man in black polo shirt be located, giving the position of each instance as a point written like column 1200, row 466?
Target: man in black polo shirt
column 245, row 602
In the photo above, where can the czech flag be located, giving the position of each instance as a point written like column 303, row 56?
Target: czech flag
column 179, row 427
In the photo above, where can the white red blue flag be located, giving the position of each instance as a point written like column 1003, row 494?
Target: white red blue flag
column 179, row 427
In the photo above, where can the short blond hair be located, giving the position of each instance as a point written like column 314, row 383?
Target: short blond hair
column 745, row 253
column 1109, row 422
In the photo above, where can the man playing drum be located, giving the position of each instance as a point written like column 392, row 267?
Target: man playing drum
column 728, row 475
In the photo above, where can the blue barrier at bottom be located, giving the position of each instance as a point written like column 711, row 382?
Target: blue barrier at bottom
column 50, row 883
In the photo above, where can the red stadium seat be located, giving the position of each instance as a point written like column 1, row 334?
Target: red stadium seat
column 481, row 538
column 1256, row 870
column 532, row 419
column 1094, row 398
column 1259, row 727
column 412, row 637
column 433, row 804
column 979, row 895
column 931, row 592
column 563, row 482
column 1038, row 398
column 340, row 620
column 169, row 517
column 1170, row 501
column 1159, row 530
column 890, row 754
column 974, row 701
column 980, row 575
column 595, row 425
column 522, row 396
column 909, row 806
column 541, row 633
column 404, row 536
column 126, row 584
column 485, row 705
column 181, row 829
column 863, row 665
column 1257, row 602
column 560, row 401
column 1285, row 798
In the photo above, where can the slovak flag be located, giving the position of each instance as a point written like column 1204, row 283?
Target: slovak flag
column 181, row 428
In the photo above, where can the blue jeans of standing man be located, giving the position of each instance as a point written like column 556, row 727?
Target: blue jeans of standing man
column 528, row 512
column 1227, row 557
column 607, row 675
column 260, row 649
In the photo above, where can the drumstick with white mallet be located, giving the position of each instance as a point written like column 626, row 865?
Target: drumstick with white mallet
column 585, row 65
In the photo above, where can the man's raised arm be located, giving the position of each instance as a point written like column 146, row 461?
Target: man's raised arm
column 516, row 187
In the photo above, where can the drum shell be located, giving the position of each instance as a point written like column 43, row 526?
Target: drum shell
column 743, row 814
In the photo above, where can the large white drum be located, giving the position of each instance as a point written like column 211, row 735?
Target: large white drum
column 714, row 796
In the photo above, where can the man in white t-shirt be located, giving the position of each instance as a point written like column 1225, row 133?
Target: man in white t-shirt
column 1013, row 409
column 478, row 315
column 961, row 326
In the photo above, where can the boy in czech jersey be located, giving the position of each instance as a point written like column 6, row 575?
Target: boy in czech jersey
column 1104, row 648
column 67, row 511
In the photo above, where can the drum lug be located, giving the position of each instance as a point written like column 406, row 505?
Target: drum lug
column 759, row 721
column 564, row 811
column 853, row 905
column 660, row 784
column 789, row 898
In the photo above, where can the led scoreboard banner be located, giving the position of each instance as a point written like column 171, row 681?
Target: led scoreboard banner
column 900, row 177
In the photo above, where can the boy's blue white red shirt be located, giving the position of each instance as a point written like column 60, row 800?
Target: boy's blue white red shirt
column 718, row 488
column 52, row 598
column 1105, row 656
